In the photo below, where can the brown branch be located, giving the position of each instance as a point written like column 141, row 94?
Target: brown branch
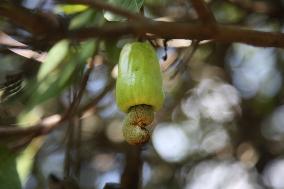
column 20, row 48
column 78, row 147
column 185, row 58
column 130, row 178
column 71, row 111
column 68, row 159
column 83, row 84
column 203, row 11
column 93, row 102
column 223, row 33
column 170, row 30
column 43, row 127
column 39, row 24
column 220, row 33
column 143, row 26
column 48, row 124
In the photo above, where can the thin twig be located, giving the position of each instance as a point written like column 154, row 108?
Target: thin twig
column 7, row 42
column 93, row 102
column 39, row 128
column 48, row 124
column 20, row 144
column 203, row 11
column 83, row 84
column 72, row 135
column 78, row 138
column 68, row 151
column 188, row 54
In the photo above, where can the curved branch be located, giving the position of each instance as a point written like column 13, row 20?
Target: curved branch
column 37, row 23
column 48, row 124
column 203, row 11
column 141, row 26
column 223, row 33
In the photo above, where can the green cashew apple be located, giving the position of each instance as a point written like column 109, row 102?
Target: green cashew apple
column 139, row 90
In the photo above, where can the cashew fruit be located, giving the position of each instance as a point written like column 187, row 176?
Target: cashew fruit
column 139, row 90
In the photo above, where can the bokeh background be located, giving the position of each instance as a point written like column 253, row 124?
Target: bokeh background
column 221, row 126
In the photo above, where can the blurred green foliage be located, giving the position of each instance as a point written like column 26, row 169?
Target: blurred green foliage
column 131, row 5
column 221, row 124
column 9, row 177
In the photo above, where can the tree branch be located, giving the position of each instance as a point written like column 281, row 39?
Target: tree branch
column 20, row 48
column 48, row 124
column 130, row 178
column 223, row 33
column 143, row 26
column 38, row 23
column 93, row 102
column 74, row 105
column 203, row 11
column 169, row 30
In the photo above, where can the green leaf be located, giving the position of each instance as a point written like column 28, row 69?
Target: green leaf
column 81, row 19
column 87, row 50
column 112, row 51
column 87, row 18
column 71, row 9
column 62, row 75
column 156, row 2
column 55, row 56
column 52, row 85
column 9, row 178
column 131, row 5
column 227, row 13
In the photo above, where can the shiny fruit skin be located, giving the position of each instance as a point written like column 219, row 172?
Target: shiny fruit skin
column 139, row 78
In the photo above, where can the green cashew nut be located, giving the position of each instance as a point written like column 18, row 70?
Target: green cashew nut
column 139, row 90
column 135, row 122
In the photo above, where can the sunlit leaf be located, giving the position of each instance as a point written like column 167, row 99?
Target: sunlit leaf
column 131, row 5
column 81, row 19
column 87, row 18
column 63, row 74
column 51, row 86
column 71, row 9
column 55, row 56
column 9, row 178
column 87, row 49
